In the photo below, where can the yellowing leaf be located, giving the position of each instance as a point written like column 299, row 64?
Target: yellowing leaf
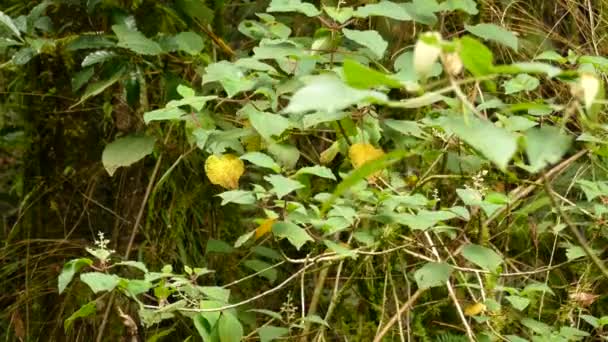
column 264, row 228
column 474, row 310
column 224, row 170
column 361, row 153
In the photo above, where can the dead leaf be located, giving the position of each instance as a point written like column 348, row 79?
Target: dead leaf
column 224, row 170
column 474, row 309
column 264, row 228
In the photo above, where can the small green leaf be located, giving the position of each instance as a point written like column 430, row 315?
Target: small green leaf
column 341, row 14
column 8, row 22
column 85, row 311
column 340, row 250
column 317, row 170
column 495, row 33
column 261, row 266
column 135, row 41
column 218, row 246
column 98, row 281
column 329, row 94
column 545, row 146
column 266, row 124
column 229, row 328
column 229, row 76
column 409, row 128
column 362, row 77
column 262, row 160
column 297, row 236
column 282, row 185
column 518, row 302
column 433, row 274
column 551, row 56
column 98, row 87
column 495, row 143
column 286, row 155
column 96, row 57
column 521, row 82
column 169, row 113
column 476, row 57
column 126, row 151
column 189, row 42
column 270, row 333
column 482, row 257
column 293, row 6
column 69, row 269
column 383, row 8
column 467, row 6
column 237, row 197
column 370, row 39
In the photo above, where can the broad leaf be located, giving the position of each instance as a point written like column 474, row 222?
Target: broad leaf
column 8, row 22
column 495, row 33
column 136, row 41
column 476, row 57
column 69, row 269
column 495, row 143
column 329, row 94
column 370, row 39
column 362, row 77
column 432, row 274
column 267, row 124
column 189, row 42
column 518, row 302
column 282, row 185
column 126, row 151
column 383, row 8
column 167, row 113
column 229, row 328
column 297, row 236
column 98, row 281
column 521, row 82
column 262, row 160
column 293, row 6
column 545, row 146
column 482, row 257
column 229, row 76
column 85, row 311
column 467, row 6
column 317, row 170
column 260, row 266
column 270, row 333
column 97, row 57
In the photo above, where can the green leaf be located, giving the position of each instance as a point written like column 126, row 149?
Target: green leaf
column 423, row 220
column 369, row 38
column 433, row 274
column 482, row 257
column 267, row 124
column 340, row 250
column 551, row 56
column 282, row 185
column 80, row 78
column 494, row 32
column 86, row 310
column 98, row 281
column 522, row 82
column 262, row 160
column 189, row 42
column 467, row 6
column 423, row 11
column 167, row 113
column 293, row 6
column 136, row 41
column 126, row 151
column 286, row 155
column 88, row 41
column 218, row 246
column 384, row 8
column 69, row 269
column 340, row 15
column 410, row 128
column 362, row 77
column 259, row 265
column 270, row 333
column 229, row 328
column 317, row 170
column 97, row 57
column 8, row 22
column 545, row 146
column 536, row 326
column 98, row 87
column 329, row 94
column 518, row 302
column 297, row 236
column 476, row 57
column 575, row 252
column 229, row 76
column 216, row 292
column 496, row 144
column 196, row 9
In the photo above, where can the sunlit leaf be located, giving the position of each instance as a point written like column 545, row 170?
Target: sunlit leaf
column 495, row 33
column 432, row 274
column 126, row 151
column 482, row 257
column 383, row 8
column 224, row 170
column 86, row 310
column 69, row 270
column 282, row 185
column 370, row 39
column 293, row 6
column 98, row 281
column 297, row 236
column 545, row 146
column 136, row 41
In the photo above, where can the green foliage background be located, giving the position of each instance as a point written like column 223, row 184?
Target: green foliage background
column 494, row 179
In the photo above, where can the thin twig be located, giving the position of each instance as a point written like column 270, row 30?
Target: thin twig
column 394, row 319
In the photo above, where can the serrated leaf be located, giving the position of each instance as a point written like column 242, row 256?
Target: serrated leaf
column 136, row 41
column 229, row 328
column 98, row 87
column 8, row 22
column 267, row 125
column 363, row 77
column 383, row 8
column 521, row 82
column 476, row 57
column 297, row 236
column 496, row 144
column 518, row 302
column 98, row 281
column 97, row 57
column 293, row 6
column 329, row 94
column 545, row 146
column 282, row 185
column 369, row 38
column 69, row 270
column 262, row 160
column 86, row 310
column 432, row 274
column 229, row 76
column 495, row 33
column 482, row 257
column 320, row 171
column 126, row 151
column 89, row 42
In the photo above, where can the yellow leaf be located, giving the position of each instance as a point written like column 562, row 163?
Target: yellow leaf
column 474, row 310
column 264, row 228
column 361, row 153
column 224, row 170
